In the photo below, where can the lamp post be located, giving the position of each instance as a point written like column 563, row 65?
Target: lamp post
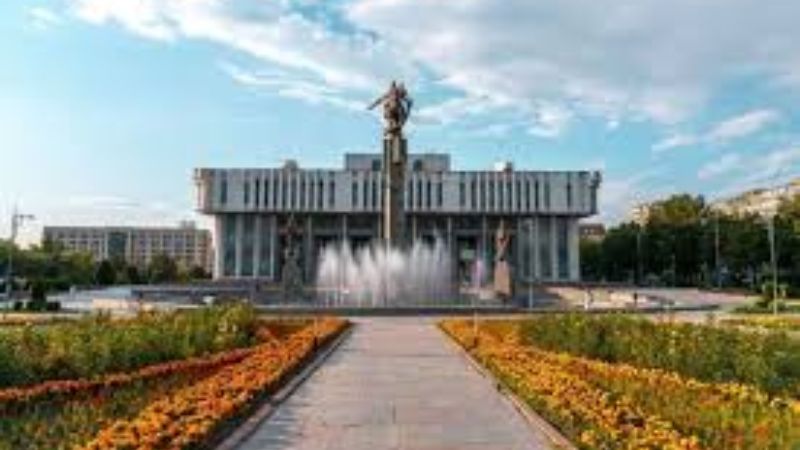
column 17, row 219
column 773, row 262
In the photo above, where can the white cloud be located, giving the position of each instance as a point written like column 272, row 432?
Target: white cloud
column 762, row 169
column 43, row 18
column 102, row 202
column 725, row 131
column 743, row 125
column 725, row 164
column 619, row 193
column 287, row 85
column 674, row 141
column 514, row 55
column 270, row 31
column 631, row 64
column 550, row 121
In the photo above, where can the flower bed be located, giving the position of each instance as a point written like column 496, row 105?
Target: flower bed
column 782, row 323
column 770, row 361
column 94, row 346
column 68, row 413
column 191, row 416
column 605, row 405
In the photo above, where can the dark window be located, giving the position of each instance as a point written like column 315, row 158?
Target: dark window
column 303, row 194
column 246, row 192
column 527, row 195
column 374, row 194
column 294, row 194
column 275, row 193
column 547, row 194
column 569, row 195
column 473, row 194
column 223, row 191
column 320, row 185
column 461, row 194
column 376, row 165
column 440, row 193
column 257, row 195
column 354, row 192
column 283, row 194
column 419, row 194
column 428, row 195
column 483, row 194
column 536, row 194
column 418, row 165
column 331, row 193
column 509, row 197
column 365, row 190
column 491, row 194
column 500, row 195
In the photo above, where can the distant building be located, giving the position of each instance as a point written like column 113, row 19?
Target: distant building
column 763, row 202
column 592, row 231
column 640, row 213
column 252, row 206
column 186, row 244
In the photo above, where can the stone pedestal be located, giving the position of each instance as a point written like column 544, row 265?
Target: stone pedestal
column 395, row 159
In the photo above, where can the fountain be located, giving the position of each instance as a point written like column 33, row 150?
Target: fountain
column 378, row 275
column 390, row 272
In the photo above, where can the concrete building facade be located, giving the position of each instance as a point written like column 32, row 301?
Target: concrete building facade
column 186, row 244
column 763, row 202
column 251, row 209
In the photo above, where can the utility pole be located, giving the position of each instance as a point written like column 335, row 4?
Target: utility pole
column 716, row 250
column 17, row 220
column 638, row 254
column 773, row 263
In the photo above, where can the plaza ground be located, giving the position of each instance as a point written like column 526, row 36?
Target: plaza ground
column 397, row 383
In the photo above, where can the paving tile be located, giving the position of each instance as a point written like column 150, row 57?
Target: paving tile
column 396, row 383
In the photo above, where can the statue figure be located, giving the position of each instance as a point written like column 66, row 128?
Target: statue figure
column 502, row 271
column 396, row 109
column 291, row 276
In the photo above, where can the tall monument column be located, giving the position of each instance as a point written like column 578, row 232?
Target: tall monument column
column 396, row 110
column 395, row 159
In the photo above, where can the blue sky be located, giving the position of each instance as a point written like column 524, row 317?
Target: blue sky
column 107, row 105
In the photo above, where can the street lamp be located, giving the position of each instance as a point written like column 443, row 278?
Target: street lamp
column 773, row 262
column 17, row 219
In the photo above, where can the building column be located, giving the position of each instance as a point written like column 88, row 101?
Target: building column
column 451, row 248
column 483, row 241
column 553, row 247
column 237, row 272
column 537, row 262
column 219, row 239
column 273, row 251
column 257, row 246
column 308, row 241
column 573, row 247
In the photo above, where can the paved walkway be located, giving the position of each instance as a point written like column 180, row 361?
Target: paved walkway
column 396, row 383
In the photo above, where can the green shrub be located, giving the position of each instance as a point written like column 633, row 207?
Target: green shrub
column 770, row 361
column 96, row 345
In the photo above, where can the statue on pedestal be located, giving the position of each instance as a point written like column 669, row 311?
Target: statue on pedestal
column 291, row 275
column 503, row 287
column 396, row 110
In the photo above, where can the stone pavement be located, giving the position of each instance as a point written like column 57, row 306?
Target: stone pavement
column 396, row 383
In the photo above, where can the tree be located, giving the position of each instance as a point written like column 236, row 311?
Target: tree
column 198, row 273
column 162, row 269
column 133, row 275
column 105, row 275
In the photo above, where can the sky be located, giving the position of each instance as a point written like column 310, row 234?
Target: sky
column 106, row 106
